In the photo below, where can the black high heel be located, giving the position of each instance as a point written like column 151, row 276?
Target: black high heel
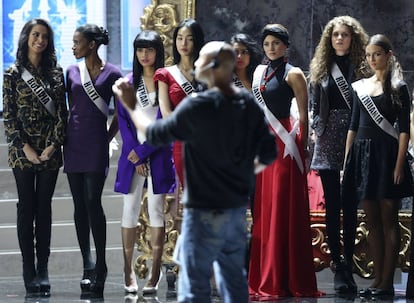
column 32, row 289
column 42, row 279
column 98, row 285
column 85, row 283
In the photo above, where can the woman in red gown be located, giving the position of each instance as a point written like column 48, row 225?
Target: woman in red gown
column 281, row 261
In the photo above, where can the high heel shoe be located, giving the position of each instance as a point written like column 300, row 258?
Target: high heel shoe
column 42, row 279
column 85, row 283
column 132, row 289
column 98, row 285
column 32, row 289
column 149, row 290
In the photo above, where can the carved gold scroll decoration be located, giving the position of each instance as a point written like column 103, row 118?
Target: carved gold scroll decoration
column 163, row 16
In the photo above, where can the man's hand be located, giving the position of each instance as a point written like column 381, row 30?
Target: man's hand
column 125, row 92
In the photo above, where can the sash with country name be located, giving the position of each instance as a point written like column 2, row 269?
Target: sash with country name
column 288, row 138
column 90, row 89
column 341, row 83
column 142, row 94
column 180, row 79
column 39, row 91
column 237, row 82
column 373, row 111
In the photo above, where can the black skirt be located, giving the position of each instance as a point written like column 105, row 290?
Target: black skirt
column 369, row 170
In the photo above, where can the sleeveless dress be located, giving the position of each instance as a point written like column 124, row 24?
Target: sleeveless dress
column 281, row 262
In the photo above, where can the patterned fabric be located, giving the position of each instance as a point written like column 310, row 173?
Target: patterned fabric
column 330, row 146
column 26, row 120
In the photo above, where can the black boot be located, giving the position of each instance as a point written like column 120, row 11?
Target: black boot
column 30, row 282
column 352, row 287
column 340, row 277
column 42, row 278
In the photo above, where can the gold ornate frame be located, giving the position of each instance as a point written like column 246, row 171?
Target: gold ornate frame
column 163, row 16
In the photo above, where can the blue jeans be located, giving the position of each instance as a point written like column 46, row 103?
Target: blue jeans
column 213, row 237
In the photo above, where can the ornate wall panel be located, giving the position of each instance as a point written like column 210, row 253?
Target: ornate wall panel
column 163, row 16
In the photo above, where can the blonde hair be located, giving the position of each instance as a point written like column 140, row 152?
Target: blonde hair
column 324, row 52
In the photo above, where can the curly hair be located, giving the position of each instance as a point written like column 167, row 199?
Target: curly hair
column 324, row 53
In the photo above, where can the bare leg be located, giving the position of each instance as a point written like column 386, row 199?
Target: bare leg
column 128, row 242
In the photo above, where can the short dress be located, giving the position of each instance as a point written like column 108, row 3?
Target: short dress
column 371, row 160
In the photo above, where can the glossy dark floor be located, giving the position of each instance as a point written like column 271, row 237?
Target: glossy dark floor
column 65, row 286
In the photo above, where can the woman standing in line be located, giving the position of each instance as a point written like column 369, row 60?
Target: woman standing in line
column 376, row 170
column 338, row 61
column 140, row 161
column 86, row 150
column 281, row 262
column 176, row 82
column 34, row 110
column 248, row 58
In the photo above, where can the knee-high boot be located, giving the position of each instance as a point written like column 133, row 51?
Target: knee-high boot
column 157, row 243
column 128, row 242
column 25, row 235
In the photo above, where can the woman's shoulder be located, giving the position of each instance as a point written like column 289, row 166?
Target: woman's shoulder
column 162, row 74
column 12, row 70
column 112, row 68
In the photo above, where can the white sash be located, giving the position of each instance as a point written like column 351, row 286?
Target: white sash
column 180, row 79
column 341, row 83
column 373, row 111
column 288, row 139
column 142, row 94
column 237, row 82
column 90, row 89
column 39, row 91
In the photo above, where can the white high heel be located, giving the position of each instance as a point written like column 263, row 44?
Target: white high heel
column 133, row 288
column 148, row 290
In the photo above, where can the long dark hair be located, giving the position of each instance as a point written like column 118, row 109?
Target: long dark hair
column 92, row 32
column 146, row 39
column 198, row 38
column 394, row 75
column 48, row 60
column 254, row 52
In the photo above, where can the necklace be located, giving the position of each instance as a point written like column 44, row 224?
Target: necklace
column 267, row 77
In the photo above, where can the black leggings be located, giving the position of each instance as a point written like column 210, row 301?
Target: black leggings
column 89, row 215
column 333, row 203
column 34, row 214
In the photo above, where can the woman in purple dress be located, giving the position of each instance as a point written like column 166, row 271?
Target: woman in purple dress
column 140, row 161
column 86, row 150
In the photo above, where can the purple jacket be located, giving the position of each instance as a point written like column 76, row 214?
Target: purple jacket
column 161, row 165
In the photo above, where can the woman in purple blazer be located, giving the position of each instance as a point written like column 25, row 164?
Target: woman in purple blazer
column 140, row 161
